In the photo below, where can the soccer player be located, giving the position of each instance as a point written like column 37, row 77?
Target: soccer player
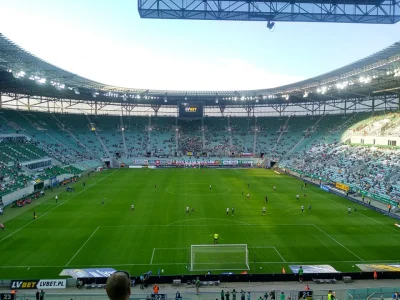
column 227, row 211
column 263, row 211
column 132, row 207
column 56, row 198
column 302, row 208
column 233, row 211
column 34, row 214
column 305, row 195
column 349, row 211
column 2, row 227
column 187, row 210
column 248, row 196
column 248, row 185
column 274, row 188
column 192, row 210
column 309, row 207
column 301, row 187
column 84, row 184
column 102, row 202
column 297, row 197
column 216, row 238
column 355, row 209
column 242, row 193
column 210, row 187
column 266, row 199
column 155, row 186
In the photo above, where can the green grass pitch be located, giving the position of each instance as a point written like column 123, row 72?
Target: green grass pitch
column 79, row 232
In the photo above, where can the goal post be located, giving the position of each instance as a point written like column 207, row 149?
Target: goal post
column 219, row 257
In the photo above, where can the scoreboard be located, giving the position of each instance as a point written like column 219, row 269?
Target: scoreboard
column 190, row 110
column 7, row 296
column 305, row 295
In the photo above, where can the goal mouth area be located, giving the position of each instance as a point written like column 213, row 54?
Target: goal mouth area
column 221, row 257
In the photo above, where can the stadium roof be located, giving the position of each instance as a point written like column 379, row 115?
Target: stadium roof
column 23, row 73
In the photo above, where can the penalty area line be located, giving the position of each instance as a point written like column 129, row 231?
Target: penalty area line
column 280, row 255
column 82, row 246
column 338, row 242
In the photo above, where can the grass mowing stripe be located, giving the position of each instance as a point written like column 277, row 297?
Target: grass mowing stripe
column 338, row 242
column 62, row 203
column 83, row 245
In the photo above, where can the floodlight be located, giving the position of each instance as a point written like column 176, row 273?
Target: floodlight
column 216, row 100
column 270, row 25
column 76, row 91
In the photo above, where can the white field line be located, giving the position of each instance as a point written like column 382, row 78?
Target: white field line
column 152, row 256
column 83, row 245
column 338, row 243
column 62, row 203
column 203, row 225
column 279, row 254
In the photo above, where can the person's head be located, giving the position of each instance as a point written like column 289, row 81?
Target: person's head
column 118, row 286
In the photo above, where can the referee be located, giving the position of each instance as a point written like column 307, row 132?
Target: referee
column 216, row 238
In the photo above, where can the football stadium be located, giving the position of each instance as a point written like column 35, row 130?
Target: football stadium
column 203, row 189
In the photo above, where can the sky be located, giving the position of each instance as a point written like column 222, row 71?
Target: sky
column 107, row 41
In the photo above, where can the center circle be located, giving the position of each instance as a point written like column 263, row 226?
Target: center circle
column 189, row 189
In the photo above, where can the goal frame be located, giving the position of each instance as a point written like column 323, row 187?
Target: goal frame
column 219, row 246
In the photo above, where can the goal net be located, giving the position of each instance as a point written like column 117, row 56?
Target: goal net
column 219, row 257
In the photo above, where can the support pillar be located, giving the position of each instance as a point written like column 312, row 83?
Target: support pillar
column 156, row 108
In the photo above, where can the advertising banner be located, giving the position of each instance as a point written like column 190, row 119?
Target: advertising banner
column 38, row 284
column 324, row 187
column 379, row 267
column 23, row 284
column 88, row 273
column 313, row 269
column 342, row 186
column 52, row 284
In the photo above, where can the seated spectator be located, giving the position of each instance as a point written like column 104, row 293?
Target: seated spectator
column 118, row 286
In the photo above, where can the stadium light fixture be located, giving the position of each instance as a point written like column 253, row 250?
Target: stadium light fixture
column 19, row 74
column 367, row 79
column 216, row 100
column 256, row 100
column 242, row 98
column 76, row 91
column 41, row 81
column 270, row 25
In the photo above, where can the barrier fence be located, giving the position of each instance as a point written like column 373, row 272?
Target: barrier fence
column 318, row 294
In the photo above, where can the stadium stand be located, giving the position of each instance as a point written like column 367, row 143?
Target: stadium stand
column 317, row 145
